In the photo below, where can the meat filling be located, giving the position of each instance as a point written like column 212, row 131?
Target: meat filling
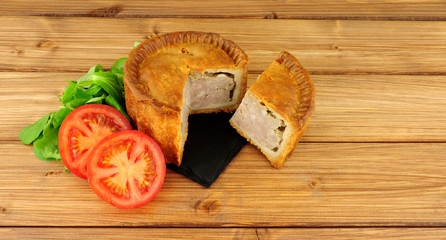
column 210, row 89
column 205, row 91
column 260, row 124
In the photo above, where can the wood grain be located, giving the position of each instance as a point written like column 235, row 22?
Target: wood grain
column 349, row 108
column 322, row 184
column 370, row 166
column 322, row 46
column 222, row 233
column 271, row 9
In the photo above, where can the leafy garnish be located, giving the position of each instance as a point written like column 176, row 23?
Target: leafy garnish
column 48, row 145
column 118, row 67
column 60, row 115
column 28, row 134
column 96, row 86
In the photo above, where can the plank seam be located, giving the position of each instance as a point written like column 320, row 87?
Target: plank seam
column 269, row 15
column 441, row 225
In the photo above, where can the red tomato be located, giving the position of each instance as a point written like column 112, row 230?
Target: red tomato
column 82, row 129
column 127, row 169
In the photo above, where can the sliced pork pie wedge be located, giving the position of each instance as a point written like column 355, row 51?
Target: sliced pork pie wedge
column 170, row 76
column 275, row 110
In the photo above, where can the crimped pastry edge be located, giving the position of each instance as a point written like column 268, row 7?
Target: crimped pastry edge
column 152, row 45
column 305, row 83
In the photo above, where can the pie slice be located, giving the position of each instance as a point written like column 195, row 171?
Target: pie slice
column 170, row 76
column 276, row 109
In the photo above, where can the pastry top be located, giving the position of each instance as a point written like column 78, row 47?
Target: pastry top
column 158, row 68
column 286, row 88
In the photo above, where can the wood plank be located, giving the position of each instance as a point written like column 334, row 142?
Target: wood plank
column 323, row 47
column 223, row 233
column 349, row 108
column 306, row 9
column 322, row 184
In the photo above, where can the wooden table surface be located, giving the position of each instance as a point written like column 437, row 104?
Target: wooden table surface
column 372, row 164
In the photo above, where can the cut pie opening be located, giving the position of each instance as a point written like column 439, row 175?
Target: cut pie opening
column 210, row 90
column 263, row 126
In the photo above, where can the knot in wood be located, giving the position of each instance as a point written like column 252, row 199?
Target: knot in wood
column 106, row 11
column 52, row 173
column 211, row 206
column 18, row 51
column 315, row 183
column 271, row 15
column 46, row 44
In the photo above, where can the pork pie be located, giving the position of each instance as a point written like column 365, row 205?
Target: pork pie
column 275, row 110
column 172, row 75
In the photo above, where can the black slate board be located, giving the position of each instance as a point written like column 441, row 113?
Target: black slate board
column 211, row 145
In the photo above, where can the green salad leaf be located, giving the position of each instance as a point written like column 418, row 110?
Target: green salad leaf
column 96, row 86
column 28, row 134
column 60, row 115
column 48, row 145
column 118, row 67
column 36, row 149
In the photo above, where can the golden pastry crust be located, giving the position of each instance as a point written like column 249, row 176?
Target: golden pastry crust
column 286, row 88
column 156, row 73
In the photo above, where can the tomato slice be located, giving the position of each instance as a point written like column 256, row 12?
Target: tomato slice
column 127, row 169
column 82, row 129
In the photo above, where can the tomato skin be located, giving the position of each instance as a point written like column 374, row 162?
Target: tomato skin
column 82, row 129
column 117, row 157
